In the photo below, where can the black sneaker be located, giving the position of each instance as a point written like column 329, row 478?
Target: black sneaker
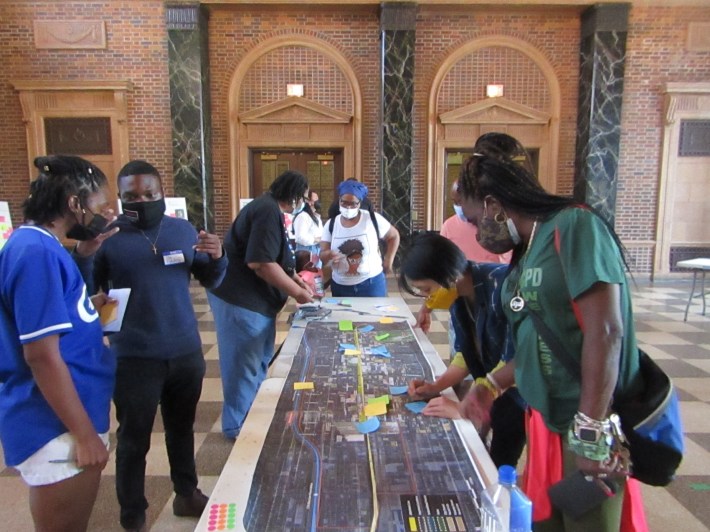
column 190, row 505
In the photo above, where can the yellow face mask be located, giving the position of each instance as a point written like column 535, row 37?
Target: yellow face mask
column 442, row 298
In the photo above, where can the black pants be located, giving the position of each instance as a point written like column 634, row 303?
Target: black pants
column 142, row 384
column 508, row 425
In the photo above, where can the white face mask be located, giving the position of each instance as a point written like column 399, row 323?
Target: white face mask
column 458, row 209
column 349, row 214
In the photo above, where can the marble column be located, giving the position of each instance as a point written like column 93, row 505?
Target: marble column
column 601, row 87
column 190, row 110
column 397, row 25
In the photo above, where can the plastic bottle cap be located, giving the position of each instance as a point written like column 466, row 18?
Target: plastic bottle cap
column 506, row 474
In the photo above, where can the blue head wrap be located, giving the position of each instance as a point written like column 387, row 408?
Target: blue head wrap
column 355, row 188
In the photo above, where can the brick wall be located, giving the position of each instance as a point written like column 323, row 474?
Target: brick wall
column 136, row 51
column 555, row 33
column 656, row 55
column 236, row 31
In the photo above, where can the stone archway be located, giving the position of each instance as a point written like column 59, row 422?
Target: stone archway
column 291, row 121
column 458, row 128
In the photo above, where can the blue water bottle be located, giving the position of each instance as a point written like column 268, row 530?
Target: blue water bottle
column 506, row 494
column 520, row 505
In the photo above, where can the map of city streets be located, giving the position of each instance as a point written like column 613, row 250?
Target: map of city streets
column 317, row 472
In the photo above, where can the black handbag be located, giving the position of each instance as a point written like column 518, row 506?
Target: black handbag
column 650, row 420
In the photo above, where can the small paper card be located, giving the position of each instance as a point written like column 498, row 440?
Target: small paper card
column 382, row 336
column 345, row 325
column 302, row 385
column 386, row 320
column 398, row 390
column 352, row 352
column 375, row 409
column 416, row 406
column 380, row 399
column 367, row 328
column 369, row 425
column 121, row 295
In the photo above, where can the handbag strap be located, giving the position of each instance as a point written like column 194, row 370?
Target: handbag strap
column 558, row 350
column 563, row 356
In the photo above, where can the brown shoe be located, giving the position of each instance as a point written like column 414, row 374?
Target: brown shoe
column 190, row 505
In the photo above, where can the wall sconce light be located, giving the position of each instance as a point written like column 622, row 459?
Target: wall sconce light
column 494, row 91
column 294, row 89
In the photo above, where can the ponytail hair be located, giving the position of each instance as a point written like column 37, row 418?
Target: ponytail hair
column 60, row 177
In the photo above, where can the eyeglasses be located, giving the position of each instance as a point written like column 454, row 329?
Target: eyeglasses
column 350, row 204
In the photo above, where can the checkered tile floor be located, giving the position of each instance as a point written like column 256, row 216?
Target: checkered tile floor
column 681, row 348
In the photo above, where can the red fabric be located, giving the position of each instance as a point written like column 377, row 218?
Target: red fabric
column 544, row 468
column 544, row 464
column 633, row 516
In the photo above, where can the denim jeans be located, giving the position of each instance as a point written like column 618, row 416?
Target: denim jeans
column 246, row 345
column 142, row 384
column 374, row 287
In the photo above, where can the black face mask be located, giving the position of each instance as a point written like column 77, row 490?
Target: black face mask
column 145, row 214
column 88, row 232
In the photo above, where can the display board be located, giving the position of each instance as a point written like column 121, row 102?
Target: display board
column 317, row 469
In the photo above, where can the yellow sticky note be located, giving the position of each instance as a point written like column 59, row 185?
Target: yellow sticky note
column 375, row 409
column 381, row 399
column 386, row 320
column 351, row 352
column 345, row 325
column 302, row 385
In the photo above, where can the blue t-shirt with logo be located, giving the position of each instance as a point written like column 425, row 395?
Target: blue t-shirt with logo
column 42, row 293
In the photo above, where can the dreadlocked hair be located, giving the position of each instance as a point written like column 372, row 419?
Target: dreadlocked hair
column 516, row 188
column 290, row 186
column 60, row 177
column 502, row 145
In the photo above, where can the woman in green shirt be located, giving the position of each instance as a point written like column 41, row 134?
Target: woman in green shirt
column 567, row 268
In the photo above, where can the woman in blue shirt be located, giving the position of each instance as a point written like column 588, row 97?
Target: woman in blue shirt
column 57, row 376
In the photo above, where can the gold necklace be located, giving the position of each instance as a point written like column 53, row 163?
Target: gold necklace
column 518, row 303
column 154, row 242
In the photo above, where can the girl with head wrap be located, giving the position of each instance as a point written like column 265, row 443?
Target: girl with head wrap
column 351, row 244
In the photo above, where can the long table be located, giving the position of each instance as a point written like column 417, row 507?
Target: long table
column 300, row 462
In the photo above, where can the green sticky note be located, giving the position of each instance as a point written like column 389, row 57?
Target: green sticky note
column 381, row 399
column 700, row 486
column 382, row 336
column 345, row 325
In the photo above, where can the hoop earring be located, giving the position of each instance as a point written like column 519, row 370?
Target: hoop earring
column 500, row 218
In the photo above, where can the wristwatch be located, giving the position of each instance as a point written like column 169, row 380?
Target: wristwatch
column 587, row 434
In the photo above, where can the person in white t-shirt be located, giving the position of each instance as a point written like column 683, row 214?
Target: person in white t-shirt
column 351, row 243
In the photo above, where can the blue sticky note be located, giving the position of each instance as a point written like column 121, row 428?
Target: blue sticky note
column 367, row 328
column 398, row 390
column 371, row 424
column 331, row 300
column 380, row 351
column 416, row 406
column 343, row 347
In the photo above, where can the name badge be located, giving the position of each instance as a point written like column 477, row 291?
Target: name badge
column 173, row 257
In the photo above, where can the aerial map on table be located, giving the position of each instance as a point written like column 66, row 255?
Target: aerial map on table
column 344, row 452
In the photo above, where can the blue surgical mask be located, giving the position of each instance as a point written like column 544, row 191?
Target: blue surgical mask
column 458, row 209
column 297, row 210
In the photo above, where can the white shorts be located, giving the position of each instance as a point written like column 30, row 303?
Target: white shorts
column 54, row 462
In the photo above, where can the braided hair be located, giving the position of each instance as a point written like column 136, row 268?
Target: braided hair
column 60, row 177
column 497, row 175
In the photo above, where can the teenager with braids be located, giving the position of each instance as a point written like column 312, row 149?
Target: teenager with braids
column 351, row 243
column 56, row 373
column 568, row 268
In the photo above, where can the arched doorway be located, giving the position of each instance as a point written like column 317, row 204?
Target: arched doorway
column 530, row 112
